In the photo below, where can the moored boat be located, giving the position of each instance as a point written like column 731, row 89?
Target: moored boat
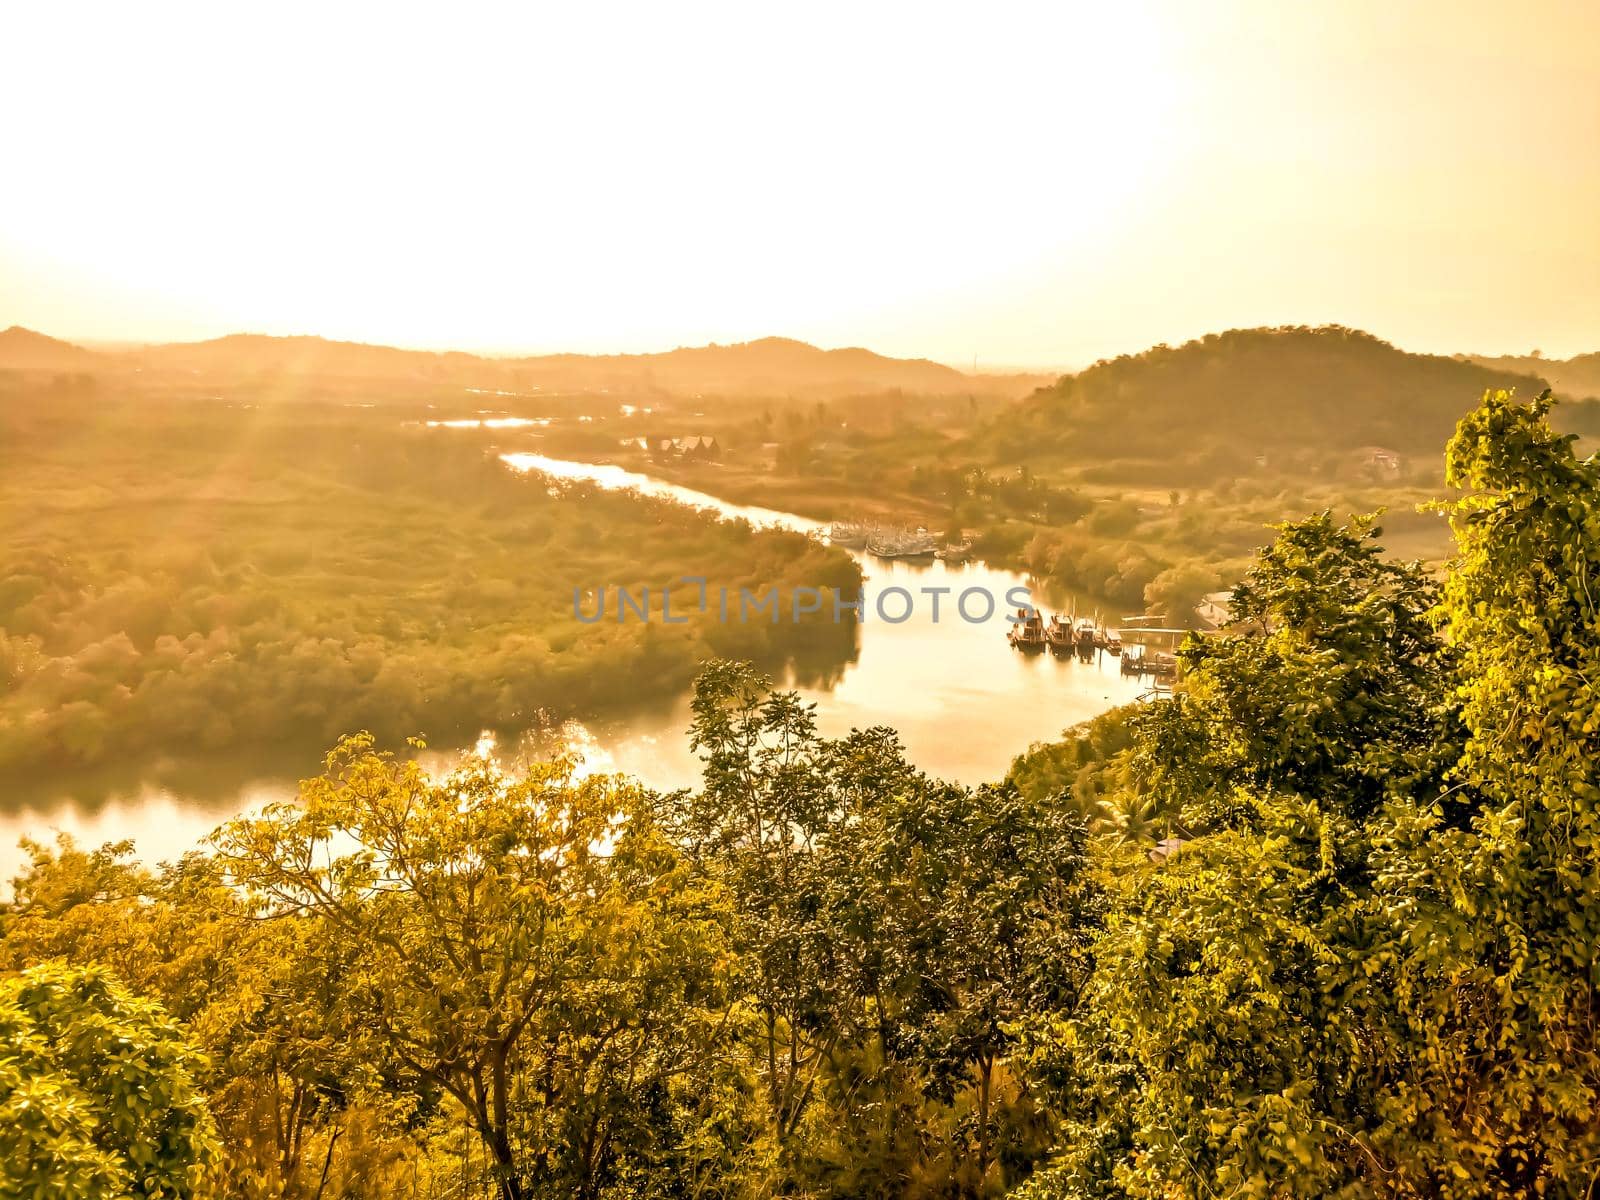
column 1083, row 635
column 901, row 543
column 1059, row 635
column 1027, row 631
column 851, row 535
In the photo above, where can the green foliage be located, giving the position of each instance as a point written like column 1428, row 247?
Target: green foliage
column 1371, row 971
column 209, row 583
column 892, row 930
column 98, row 1094
column 1082, row 771
column 1178, row 590
column 1509, row 1066
column 524, row 946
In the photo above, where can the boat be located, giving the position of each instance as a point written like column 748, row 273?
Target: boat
column 956, row 552
column 1059, row 635
column 901, row 543
column 1084, row 635
column 1027, row 631
column 851, row 535
column 1111, row 640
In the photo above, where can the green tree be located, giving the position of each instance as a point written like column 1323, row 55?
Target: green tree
column 892, row 929
column 1178, row 590
column 1240, row 1033
column 525, row 945
column 1507, row 911
column 98, row 1097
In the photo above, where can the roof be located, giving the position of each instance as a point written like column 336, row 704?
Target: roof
column 1166, row 848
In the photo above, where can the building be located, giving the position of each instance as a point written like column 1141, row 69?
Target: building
column 1215, row 609
column 1379, row 463
column 697, row 447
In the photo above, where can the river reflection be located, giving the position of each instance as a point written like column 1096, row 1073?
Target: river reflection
column 963, row 701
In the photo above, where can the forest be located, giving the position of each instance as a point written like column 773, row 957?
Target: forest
column 210, row 578
column 1320, row 923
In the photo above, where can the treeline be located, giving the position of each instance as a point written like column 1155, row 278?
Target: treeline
column 1322, row 923
column 178, row 582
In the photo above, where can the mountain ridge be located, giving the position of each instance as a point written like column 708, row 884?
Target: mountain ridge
column 775, row 365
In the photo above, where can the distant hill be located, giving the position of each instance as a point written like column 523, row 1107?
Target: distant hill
column 1324, row 388
column 768, row 367
column 1575, row 378
column 261, row 354
column 23, row 349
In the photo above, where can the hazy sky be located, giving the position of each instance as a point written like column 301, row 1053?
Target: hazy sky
column 1030, row 184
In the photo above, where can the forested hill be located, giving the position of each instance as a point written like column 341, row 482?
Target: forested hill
column 767, row 367
column 1575, row 378
column 770, row 365
column 1325, row 388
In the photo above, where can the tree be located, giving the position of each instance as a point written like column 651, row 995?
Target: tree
column 892, row 928
column 1178, row 590
column 97, row 1092
column 526, row 945
column 1240, row 1035
column 756, row 823
column 1508, row 910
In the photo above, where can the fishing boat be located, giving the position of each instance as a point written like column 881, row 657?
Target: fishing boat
column 1059, row 635
column 1083, row 635
column 1111, row 640
column 902, row 543
column 1027, row 631
column 956, row 552
column 851, row 535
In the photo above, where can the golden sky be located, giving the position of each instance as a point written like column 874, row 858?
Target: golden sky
column 1030, row 184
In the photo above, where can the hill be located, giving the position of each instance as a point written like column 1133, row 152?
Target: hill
column 767, row 367
column 1575, row 378
column 23, row 349
column 258, row 354
column 1250, row 390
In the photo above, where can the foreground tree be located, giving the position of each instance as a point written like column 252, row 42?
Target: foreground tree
column 1224, row 1049
column 525, row 944
column 892, row 929
column 1373, row 973
column 98, row 1098
column 1508, row 911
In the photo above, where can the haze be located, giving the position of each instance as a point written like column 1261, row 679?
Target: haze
column 1020, row 185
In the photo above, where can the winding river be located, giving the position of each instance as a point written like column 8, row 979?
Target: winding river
column 964, row 703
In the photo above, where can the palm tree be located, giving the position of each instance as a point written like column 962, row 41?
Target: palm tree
column 1130, row 817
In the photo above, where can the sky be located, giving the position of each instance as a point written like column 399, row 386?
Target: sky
column 1011, row 185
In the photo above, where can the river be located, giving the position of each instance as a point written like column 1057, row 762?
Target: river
column 965, row 704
